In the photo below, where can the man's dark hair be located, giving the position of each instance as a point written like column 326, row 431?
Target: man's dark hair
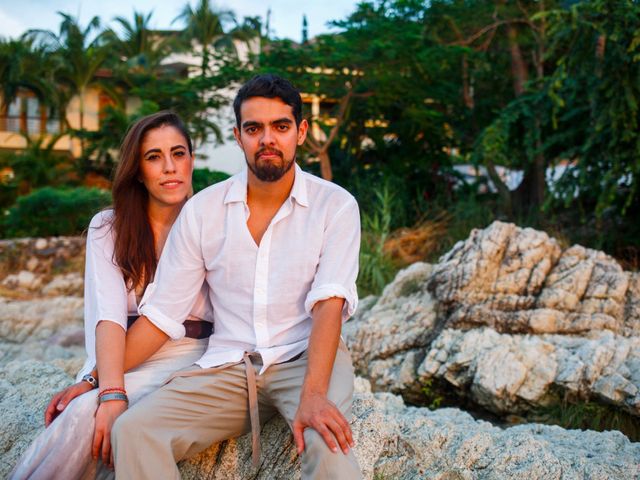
column 269, row 86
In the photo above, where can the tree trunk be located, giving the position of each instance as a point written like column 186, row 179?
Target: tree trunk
column 530, row 193
column 467, row 94
column 518, row 67
column 503, row 190
column 82, row 90
column 325, row 165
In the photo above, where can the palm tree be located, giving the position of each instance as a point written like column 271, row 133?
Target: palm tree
column 82, row 53
column 142, row 50
column 24, row 65
column 206, row 26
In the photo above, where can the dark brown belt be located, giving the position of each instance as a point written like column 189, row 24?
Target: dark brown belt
column 193, row 328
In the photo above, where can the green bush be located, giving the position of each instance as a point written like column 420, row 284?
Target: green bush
column 54, row 211
column 376, row 267
column 203, row 177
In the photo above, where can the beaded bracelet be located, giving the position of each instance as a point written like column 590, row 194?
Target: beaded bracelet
column 112, row 390
column 107, row 397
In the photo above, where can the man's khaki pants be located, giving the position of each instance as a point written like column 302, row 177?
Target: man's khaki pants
column 190, row 413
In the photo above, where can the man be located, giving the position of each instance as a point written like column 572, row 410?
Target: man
column 279, row 249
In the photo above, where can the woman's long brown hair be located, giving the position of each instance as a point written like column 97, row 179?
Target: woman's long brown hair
column 134, row 248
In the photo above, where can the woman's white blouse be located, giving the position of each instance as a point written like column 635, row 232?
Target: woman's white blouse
column 106, row 297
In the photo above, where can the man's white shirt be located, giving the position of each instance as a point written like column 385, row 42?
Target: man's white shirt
column 262, row 296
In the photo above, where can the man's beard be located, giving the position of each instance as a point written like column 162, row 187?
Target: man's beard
column 268, row 171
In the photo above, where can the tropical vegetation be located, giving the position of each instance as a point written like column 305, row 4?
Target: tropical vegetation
column 438, row 116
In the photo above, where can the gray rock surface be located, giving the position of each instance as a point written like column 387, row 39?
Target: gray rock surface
column 67, row 284
column 38, row 319
column 44, row 329
column 393, row 441
column 509, row 320
column 519, row 280
column 389, row 335
column 511, row 373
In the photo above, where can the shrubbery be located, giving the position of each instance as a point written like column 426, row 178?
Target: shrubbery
column 203, row 177
column 54, row 211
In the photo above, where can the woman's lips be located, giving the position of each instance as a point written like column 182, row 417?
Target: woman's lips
column 171, row 184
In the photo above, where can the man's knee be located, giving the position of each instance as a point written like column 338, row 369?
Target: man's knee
column 319, row 462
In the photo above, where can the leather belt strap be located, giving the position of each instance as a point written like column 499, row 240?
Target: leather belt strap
column 193, row 328
column 253, row 409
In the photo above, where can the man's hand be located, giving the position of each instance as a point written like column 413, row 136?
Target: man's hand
column 61, row 399
column 105, row 417
column 318, row 412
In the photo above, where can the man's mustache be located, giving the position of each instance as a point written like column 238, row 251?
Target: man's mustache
column 268, row 151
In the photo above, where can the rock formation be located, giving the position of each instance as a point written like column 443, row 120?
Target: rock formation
column 393, row 441
column 510, row 320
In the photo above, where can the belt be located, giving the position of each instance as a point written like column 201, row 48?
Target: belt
column 193, row 328
column 254, row 415
column 254, row 410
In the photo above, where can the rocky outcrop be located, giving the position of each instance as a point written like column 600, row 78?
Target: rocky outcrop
column 392, row 441
column 388, row 337
column 519, row 280
column 510, row 373
column 44, row 329
column 509, row 320
column 28, row 266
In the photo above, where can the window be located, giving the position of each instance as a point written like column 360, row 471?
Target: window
column 26, row 114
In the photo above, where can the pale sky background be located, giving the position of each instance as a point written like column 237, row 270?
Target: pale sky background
column 17, row 16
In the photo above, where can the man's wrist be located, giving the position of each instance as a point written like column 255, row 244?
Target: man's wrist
column 311, row 390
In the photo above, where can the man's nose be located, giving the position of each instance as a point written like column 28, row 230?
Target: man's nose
column 267, row 137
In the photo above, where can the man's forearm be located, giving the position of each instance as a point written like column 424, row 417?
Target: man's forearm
column 323, row 344
column 143, row 339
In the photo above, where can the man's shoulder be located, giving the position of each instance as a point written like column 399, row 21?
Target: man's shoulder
column 213, row 194
column 324, row 190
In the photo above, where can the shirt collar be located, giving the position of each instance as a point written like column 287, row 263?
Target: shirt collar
column 299, row 189
column 238, row 190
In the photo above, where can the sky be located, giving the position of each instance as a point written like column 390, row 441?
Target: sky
column 286, row 15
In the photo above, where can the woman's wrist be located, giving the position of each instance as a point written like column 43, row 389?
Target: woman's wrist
column 112, row 394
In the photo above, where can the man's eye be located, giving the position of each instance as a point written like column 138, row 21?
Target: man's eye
column 283, row 127
column 251, row 130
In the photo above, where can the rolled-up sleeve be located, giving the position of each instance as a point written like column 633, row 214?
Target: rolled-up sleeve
column 338, row 265
column 168, row 300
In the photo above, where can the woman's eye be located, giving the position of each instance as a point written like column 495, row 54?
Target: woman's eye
column 179, row 153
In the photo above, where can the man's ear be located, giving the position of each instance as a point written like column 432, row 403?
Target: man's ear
column 236, row 133
column 302, row 131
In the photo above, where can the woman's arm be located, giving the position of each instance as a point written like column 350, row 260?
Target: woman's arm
column 110, row 347
column 141, row 341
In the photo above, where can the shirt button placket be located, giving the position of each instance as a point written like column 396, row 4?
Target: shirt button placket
column 261, row 290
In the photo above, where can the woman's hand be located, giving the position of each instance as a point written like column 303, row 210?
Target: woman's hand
column 105, row 417
column 61, row 399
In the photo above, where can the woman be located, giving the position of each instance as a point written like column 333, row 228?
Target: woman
column 152, row 183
